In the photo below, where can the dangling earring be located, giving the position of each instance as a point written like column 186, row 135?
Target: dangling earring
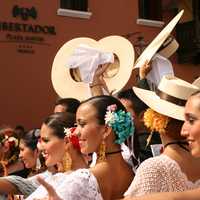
column 102, row 152
column 67, row 162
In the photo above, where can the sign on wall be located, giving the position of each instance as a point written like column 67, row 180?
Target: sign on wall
column 24, row 33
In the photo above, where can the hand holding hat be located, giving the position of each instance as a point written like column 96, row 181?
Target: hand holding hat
column 68, row 83
column 72, row 83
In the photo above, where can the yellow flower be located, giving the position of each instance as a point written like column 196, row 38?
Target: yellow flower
column 155, row 121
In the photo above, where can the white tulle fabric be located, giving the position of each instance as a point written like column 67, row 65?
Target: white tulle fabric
column 80, row 184
column 87, row 59
column 159, row 174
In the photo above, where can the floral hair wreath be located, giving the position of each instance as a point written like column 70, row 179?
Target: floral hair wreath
column 12, row 143
column 69, row 132
column 121, row 122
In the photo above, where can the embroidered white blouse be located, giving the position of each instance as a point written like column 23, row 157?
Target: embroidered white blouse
column 159, row 174
column 80, row 184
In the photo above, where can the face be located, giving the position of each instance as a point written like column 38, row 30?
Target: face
column 191, row 126
column 59, row 108
column 27, row 155
column 91, row 133
column 52, row 147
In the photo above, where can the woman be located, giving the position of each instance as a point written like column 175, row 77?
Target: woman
column 175, row 169
column 102, row 125
column 190, row 130
column 55, row 139
column 30, row 157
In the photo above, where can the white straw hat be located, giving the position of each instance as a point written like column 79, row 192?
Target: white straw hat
column 169, row 98
column 153, row 47
column 169, row 47
column 69, row 84
column 197, row 82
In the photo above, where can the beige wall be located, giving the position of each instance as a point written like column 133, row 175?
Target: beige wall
column 27, row 95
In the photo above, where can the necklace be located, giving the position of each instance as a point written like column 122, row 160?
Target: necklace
column 180, row 143
column 113, row 152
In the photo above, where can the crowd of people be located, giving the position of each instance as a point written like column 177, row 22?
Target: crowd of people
column 136, row 143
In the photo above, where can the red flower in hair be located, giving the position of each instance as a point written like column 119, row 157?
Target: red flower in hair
column 72, row 137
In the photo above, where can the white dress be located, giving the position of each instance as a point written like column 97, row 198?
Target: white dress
column 159, row 174
column 78, row 185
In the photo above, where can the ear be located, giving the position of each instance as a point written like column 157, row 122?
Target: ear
column 67, row 142
column 37, row 152
column 107, row 132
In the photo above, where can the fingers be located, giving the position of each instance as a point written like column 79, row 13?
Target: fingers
column 101, row 69
column 145, row 69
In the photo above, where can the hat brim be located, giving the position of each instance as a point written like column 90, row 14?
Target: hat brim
column 159, row 105
column 65, row 86
column 197, row 82
column 153, row 47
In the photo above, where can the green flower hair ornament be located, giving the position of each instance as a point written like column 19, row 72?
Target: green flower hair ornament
column 121, row 122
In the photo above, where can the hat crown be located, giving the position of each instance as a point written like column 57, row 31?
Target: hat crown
column 176, row 87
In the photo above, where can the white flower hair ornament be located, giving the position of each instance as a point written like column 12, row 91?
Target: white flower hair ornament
column 121, row 122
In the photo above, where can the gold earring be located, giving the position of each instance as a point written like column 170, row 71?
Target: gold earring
column 102, row 152
column 67, row 162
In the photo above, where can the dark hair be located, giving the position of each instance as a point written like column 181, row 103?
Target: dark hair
column 20, row 127
column 30, row 139
column 174, row 128
column 137, row 104
column 71, row 104
column 59, row 121
column 101, row 103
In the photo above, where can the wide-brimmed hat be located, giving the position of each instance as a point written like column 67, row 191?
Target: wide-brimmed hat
column 119, row 75
column 169, row 47
column 169, row 98
column 68, row 83
column 153, row 47
column 197, row 82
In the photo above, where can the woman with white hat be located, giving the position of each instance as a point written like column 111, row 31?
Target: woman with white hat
column 175, row 169
column 190, row 130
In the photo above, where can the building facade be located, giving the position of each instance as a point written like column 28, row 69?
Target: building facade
column 31, row 32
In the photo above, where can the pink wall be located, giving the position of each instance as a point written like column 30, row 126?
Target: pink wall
column 27, row 95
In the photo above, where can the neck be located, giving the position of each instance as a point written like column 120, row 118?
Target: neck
column 181, row 144
column 77, row 160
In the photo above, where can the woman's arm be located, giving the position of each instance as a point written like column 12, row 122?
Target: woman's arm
column 98, row 83
column 7, row 187
column 16, row 185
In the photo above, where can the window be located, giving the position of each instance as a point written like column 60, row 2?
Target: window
column 150, row 13
column 150, row 9
column 81, row 5
column 74, row 8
